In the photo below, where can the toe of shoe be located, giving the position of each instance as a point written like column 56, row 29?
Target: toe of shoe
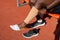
column 16, row 28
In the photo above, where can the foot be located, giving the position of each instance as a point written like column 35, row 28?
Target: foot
column 36, row 24
column 31, row 33
column 17, row 27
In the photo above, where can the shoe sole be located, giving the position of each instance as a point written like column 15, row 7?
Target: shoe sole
column 39, row 25
column 31, row 36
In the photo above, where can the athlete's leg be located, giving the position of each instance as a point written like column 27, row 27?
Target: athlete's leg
column 57, row 31
column 33, row 12
column 40, row 19
column 31, row 15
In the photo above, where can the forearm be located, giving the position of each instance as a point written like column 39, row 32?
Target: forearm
column 53, row 4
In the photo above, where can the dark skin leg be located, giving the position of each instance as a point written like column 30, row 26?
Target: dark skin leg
column 39, row 4
column 57, row 31
column 32, row 3
column 56, row 37
column 40, row 15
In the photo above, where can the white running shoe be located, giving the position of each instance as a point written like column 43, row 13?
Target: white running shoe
column 15, row 27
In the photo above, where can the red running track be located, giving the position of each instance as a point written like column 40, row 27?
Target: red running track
column 11, row 14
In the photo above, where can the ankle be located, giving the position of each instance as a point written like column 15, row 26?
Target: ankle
column 22, row 24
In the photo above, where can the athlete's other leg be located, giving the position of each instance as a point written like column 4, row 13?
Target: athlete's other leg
column 57, row 31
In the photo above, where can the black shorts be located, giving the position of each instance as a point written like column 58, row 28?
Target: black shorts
column 56, row 9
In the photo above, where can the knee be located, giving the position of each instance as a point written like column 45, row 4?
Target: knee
column 32, row 2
